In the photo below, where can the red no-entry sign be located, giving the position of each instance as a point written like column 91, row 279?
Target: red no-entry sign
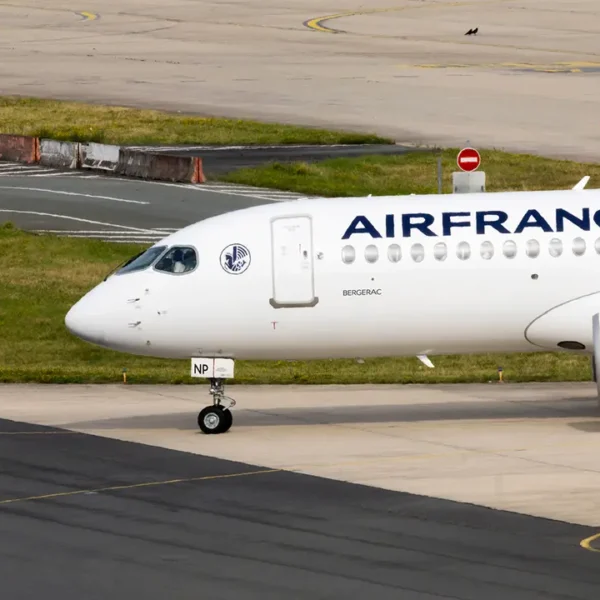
column 468, row 159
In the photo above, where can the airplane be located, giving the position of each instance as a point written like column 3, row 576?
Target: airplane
column 418, row 275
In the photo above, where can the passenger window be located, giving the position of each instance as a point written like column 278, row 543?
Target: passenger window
column 578, row 246
column 487, row 250
column 510, row 249
column 533, row 248
column 178, row 260
column 142, row 260
column 439, row 251
column 394, row 253
column 555, row 247
column 371, row 253
column 417, row 252
column 463, row 251
column 348, row 254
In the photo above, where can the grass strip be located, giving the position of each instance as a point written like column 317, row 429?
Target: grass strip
column 79, row 122
column 414, row 173
column 42, row 276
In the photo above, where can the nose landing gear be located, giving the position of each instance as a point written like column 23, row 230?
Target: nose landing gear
column 217, row 418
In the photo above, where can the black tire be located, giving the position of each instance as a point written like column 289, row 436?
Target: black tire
column 214, row 419
column 211, row 419
column 227, row 421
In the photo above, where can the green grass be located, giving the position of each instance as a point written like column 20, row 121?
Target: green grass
column 42, row 276
column 78, row 122
column 413, row 173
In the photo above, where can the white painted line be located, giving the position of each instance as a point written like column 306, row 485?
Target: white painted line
column 252, row 191
column 230, row 189
column 216, row 148
column 19, row 173
column 42, row 173
column 77, row 173
column 235, row 193
column 181, row 186
column 149, row 241
column 122, row 238
column 273, row 199
column 99, row 231
column 63, row 193
column 74, row 175
column 44, row 214
column 261, row 192
column 51, row 174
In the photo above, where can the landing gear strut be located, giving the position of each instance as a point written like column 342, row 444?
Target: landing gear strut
column 217, row 418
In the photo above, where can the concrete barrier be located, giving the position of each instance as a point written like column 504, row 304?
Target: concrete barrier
column 120, row 161
column 161, row 167
column 59, row 154
column 19, row 148
column 99, row 156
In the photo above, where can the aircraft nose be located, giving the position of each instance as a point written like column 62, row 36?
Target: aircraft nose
column 83, row 323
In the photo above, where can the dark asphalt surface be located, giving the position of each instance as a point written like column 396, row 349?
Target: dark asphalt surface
column 218, row 161
column 271, row 535
column 106, row 203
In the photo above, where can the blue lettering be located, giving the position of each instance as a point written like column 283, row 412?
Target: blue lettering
column 367, row 227
column 447, row 224
column 482, row 221
column 494, row 219
column 422, row 227
column 583, row 223
column 538, row 221
column 390, row 226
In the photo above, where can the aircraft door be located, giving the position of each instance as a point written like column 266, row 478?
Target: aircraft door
column 293, row 267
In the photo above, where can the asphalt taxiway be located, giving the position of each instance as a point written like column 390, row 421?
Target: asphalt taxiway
column 84, row 205
column 92, row 517
column 528, row 448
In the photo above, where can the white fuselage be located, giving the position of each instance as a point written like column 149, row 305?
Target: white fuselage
column 362, row 277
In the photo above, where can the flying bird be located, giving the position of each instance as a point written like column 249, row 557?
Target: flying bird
column 472, row 31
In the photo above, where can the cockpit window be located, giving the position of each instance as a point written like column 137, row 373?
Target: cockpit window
column 179, row 259
column 141, row 261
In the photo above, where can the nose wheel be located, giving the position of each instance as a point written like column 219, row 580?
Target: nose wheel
column 217, row 418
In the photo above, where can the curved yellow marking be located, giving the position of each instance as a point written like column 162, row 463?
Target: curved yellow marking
column 317, row 23
column 587, row 543
column 88, row 16
column 135, row 485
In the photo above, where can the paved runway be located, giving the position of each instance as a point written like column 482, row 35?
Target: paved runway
column 179, row 525
column 84, row 205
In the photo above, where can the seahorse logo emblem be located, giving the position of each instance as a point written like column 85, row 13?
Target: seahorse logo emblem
column 235, row 259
